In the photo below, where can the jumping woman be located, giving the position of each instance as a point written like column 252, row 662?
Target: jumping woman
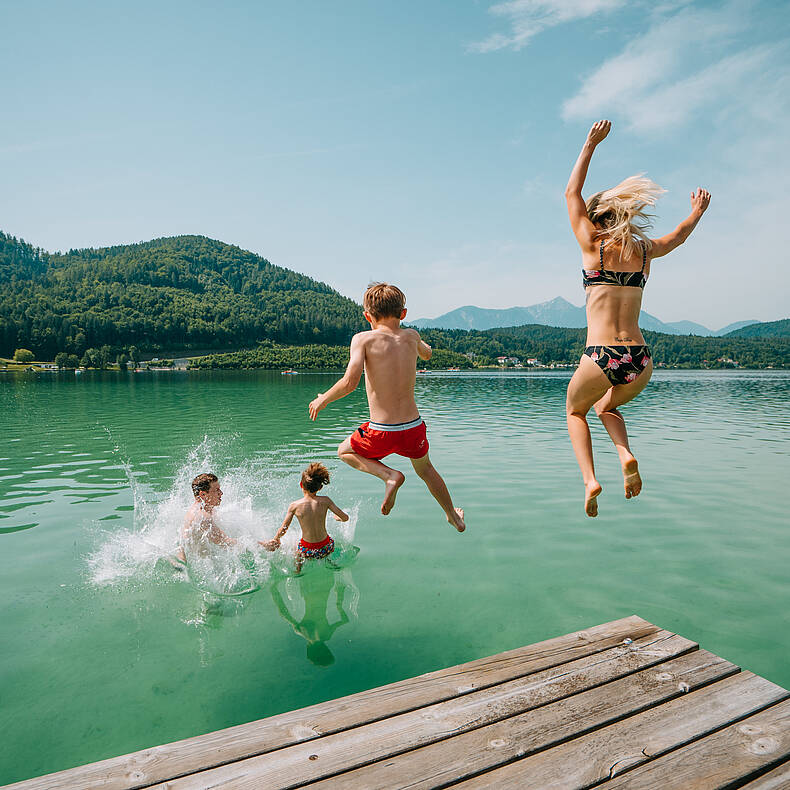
column 616, row 256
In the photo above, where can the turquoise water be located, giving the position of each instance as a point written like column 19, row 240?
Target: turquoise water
column 106, row 649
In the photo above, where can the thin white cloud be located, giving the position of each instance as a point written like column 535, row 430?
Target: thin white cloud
column 680, row 65
column 527, row 18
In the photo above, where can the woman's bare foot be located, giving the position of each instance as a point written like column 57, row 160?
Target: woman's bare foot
column 457, row 519
column 391, row 491
column 591, row 491
column 631, row 479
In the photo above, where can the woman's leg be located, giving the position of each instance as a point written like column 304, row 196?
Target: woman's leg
column 612, row 419
column 588, row 385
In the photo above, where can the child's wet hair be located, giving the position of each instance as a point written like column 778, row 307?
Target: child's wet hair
column 314, row 477
column 203, row 483
column 383, row 300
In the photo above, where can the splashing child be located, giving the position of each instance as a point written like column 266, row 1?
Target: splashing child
column 199, row 528
column 310, row 511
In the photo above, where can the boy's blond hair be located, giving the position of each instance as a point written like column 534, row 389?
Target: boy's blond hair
column 383, row 300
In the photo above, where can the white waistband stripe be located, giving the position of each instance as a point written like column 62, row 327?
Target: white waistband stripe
column 399, row 426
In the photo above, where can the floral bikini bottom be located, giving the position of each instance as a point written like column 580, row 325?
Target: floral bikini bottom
column 621, row 364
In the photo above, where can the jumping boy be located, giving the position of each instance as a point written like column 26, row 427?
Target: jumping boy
column 388, row 355
column 310, row 511
column 199, row 526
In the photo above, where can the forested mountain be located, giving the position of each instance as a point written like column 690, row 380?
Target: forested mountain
column 765, row 329
column 174, row 293
column 19, row 261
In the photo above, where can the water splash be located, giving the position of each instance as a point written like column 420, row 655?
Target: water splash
column 255, row 498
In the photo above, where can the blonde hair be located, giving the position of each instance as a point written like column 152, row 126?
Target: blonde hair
column 383, row 300
column 621, row 212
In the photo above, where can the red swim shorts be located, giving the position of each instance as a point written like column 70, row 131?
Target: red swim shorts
column 316, row 551
column 376, row 440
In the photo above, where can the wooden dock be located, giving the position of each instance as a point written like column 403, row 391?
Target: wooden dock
column 620, row 705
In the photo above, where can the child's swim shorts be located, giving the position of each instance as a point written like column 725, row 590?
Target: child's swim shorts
column 375, row 440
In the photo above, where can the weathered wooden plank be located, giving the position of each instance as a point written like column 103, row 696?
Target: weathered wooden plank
column 777, row 779
column 718, row 760
column 156, row 764
column 602, row 754
column 303, row 763
column 485, row 748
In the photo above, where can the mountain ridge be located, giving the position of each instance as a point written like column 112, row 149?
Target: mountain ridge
column 557, row 312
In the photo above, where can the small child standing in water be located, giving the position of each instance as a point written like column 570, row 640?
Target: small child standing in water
column 310, row 511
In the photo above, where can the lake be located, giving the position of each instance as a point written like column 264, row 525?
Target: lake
column 108, row 649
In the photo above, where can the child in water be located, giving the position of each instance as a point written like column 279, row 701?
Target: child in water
column 310, row 511
column 199, row 528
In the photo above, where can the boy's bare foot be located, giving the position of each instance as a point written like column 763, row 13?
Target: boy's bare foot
column 391, row 491
column 591, row 491
column 457, row 519
column 631, row 479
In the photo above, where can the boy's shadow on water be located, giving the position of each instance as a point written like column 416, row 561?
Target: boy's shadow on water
column 303, row 601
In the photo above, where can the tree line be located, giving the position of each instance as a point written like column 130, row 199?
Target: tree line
column 176, row 293
column 93, row 307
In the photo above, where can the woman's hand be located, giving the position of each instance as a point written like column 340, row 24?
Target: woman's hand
column 598, row 132
column 700, row 200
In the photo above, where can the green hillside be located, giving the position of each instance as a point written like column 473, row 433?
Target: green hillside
column 175, row 293
column 190, row 292
column 764, row 329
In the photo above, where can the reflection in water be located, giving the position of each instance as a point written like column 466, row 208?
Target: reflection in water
column 304, row 602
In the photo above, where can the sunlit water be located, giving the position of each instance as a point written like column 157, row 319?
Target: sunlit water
column 106, row 648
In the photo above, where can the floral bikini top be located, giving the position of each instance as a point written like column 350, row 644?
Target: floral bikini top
column 608, row 277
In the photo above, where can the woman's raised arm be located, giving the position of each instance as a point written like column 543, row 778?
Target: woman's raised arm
column 583, row 229
column 700, row 200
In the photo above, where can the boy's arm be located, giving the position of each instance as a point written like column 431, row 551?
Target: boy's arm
column 218, row 537
column 424, row 351
column 340, row 515
column 582, row 227
column 271, row 545
column 182, row 535
column 349, row 382
column 700, row 200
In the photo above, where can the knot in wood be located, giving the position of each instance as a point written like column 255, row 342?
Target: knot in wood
column 766, row 745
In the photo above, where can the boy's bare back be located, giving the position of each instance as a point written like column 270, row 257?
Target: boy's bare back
column 311, row 513
column 389, row 357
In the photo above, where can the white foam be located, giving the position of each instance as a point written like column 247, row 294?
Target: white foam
column 254, row 502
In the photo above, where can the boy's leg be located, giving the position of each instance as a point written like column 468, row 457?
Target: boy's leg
column 426, row 470
column 393, row 479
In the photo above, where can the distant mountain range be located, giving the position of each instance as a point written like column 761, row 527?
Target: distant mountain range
column 560, row 312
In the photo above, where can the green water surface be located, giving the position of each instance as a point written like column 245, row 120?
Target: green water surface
column 101, row 656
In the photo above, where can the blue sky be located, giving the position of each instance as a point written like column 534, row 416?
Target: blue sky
column 426, row 143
